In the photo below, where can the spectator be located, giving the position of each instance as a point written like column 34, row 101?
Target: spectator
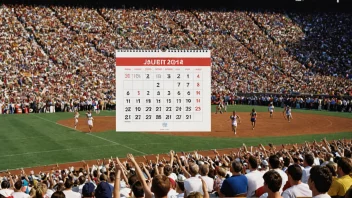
column 172, row 192
column 137, row 189
column 198, row 194
column 219, row 178
column 264, row 166
column 82, row 181
column 308, row 161
column 254, row 177
column 168, row 172
column 112, row 178
column 297, row 189
column 272, row 184
column 349, row 193
column 104, row 189
column 58, row 194
column 180, row 187
column 88, row 190
column 204, row 171
column 60, row 187
column 68, row 190
column 41, row 191
column 319, row 181
column 18, row 193
column 237, row 184
column 160, row 186
column 6, row 191
column 342, row 184
column 193, row 184
column 274, row 164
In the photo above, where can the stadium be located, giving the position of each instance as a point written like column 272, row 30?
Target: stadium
column 60, row 56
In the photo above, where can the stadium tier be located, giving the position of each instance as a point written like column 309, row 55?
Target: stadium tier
column 61, row 58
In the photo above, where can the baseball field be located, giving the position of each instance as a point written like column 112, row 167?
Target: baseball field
column 33, row 140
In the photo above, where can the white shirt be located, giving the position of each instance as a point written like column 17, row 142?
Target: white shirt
column 49, row 192
column 6, row 192
column 316, row 161
column 172, row 193
column 124, row 192
column 283, row 177
column 71, row 194
column 210, row 183
column 299, row 190
column 193, row 184
column 234, row 120
column 255, row 181
column 20, row 195
column 322, row 196
column 271, row 108
column 264, row 195
column 80, row 187
column 305, row 174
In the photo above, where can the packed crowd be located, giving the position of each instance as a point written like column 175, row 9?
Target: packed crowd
column 318, row 169
column 63, row 53
column 340, row 104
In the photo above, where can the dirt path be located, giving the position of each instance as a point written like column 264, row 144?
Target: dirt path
column 302, row 124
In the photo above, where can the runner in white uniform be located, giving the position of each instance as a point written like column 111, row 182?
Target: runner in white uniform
column 271, row 110
column 234, row 118
column 287, row 111
column 76, row 118
column 90, row 120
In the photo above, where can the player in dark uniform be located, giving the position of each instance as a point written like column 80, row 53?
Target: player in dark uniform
column 253, row 115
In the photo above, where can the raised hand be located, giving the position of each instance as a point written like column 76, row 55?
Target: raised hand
column 118, row 167
column 216, row 152
column 130, row 157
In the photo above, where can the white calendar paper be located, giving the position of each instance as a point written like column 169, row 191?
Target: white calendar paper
column 163, row 91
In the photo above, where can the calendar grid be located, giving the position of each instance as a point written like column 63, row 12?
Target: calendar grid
column 165, row 91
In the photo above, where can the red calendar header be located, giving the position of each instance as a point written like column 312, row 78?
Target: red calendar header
column 162, row 61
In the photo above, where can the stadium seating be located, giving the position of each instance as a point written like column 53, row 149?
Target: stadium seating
column 60, row 53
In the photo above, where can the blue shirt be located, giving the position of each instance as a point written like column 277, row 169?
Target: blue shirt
column 234, row 185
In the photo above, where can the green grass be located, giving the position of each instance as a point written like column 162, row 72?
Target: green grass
column 29, row 140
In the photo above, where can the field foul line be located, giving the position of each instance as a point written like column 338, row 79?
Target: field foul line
column 93, row 135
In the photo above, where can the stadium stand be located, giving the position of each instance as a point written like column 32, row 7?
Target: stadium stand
column 63, row 56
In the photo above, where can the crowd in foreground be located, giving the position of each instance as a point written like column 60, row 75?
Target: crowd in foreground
column 318, row 169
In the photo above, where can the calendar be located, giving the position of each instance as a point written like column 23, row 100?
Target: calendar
column 160, row 91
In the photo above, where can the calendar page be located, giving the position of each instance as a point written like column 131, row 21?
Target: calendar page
column 163, row 91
